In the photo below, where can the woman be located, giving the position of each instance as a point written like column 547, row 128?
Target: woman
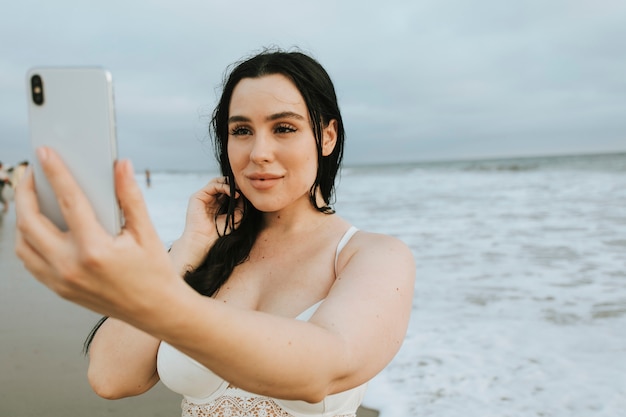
column 289, row 310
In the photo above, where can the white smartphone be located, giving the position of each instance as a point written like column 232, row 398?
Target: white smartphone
column 71, row 111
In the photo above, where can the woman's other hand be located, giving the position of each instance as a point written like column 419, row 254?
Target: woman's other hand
column 203, row 224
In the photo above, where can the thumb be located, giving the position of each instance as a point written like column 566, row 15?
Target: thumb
column 136, row 217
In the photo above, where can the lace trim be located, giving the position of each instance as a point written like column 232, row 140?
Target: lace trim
column 236, row 406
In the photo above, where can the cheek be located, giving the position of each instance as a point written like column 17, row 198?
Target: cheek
column 234, row 156
column 311, row 171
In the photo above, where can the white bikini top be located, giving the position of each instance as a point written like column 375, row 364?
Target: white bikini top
column 203, row 389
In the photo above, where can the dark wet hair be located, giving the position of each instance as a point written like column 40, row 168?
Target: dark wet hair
column 316, row 87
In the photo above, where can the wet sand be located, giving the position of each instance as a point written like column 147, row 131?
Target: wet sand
column 42, row 369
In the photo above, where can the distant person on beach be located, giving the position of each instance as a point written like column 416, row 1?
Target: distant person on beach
column 5, row 184
column 148, row 179
column 269, row 303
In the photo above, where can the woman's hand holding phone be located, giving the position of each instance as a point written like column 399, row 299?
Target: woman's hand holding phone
column 112, row 275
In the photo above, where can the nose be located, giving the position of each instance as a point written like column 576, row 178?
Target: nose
column 262, row 148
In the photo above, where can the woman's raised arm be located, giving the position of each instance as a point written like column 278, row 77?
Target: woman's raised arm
column 353, row 335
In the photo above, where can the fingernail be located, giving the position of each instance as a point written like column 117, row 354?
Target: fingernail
column 42, row 153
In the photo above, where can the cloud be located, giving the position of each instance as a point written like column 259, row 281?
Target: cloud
column 416, row 80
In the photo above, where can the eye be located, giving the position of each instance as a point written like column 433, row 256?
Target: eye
column 285, row 128
column 240, row 131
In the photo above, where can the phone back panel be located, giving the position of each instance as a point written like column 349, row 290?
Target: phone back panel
column 77, row 120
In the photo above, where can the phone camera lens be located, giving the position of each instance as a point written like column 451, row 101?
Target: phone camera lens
column 36, row 88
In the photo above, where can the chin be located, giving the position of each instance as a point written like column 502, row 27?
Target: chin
column 271, row 202
column 266, row 206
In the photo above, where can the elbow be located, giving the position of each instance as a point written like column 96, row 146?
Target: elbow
column 110, row 389
column 314, row 394
column 314, row 397
column 106, row 391
column 103, row 387
column 108, row 395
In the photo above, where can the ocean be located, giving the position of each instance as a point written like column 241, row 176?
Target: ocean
column 520, row 290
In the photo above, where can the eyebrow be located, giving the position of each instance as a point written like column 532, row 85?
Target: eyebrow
column 271, row 117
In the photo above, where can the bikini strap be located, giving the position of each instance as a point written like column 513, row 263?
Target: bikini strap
column 343, row 242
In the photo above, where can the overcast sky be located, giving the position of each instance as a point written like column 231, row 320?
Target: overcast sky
column 417, row 80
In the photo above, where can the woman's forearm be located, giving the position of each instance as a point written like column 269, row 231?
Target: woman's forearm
column 353, row 335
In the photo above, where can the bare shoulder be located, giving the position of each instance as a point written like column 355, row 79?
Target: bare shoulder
column 373, row 265
column 371, row 301
column 380, row 241
column 379, row 251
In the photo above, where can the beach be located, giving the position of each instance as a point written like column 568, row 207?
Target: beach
column 43, row 371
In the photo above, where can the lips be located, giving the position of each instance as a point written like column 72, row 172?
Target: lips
column 264, row 181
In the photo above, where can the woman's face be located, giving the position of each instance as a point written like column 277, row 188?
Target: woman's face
column 271, row 146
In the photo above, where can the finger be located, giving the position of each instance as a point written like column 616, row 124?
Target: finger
column 32, row 226
column 74, row 205
column 210, row 200
column 48, row 275
column 137, row 219
column 21, row 178
column 219, row 185
column 36, row 264
column 25, row 197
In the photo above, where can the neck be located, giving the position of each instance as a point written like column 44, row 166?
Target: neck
column 297, row 217
column 294, row 219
